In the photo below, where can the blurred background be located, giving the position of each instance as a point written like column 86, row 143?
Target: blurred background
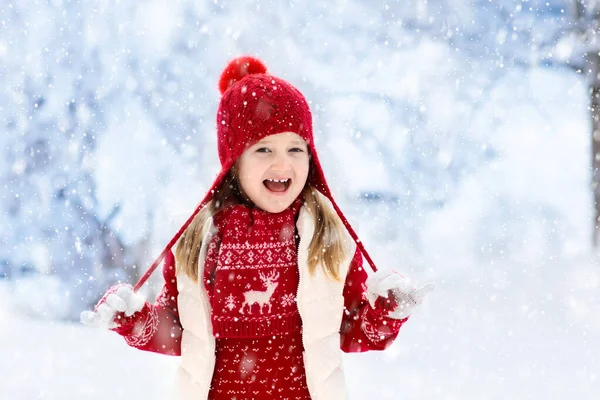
column 460, row 137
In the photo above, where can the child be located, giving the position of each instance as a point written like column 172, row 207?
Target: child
column 266, row 287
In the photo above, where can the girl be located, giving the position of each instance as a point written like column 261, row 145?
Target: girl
column 266, row 286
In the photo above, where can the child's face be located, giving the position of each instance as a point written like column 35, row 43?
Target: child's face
column 282, row 157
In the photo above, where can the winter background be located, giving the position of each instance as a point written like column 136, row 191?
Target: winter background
column 455, row 134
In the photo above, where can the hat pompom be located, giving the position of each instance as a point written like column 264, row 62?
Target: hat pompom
column 239, row 68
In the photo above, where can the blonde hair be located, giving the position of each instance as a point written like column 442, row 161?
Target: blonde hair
column 328, row 246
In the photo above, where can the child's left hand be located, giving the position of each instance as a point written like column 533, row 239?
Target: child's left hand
column 394, row 292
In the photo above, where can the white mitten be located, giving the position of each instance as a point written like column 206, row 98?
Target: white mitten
column 384, row 283
column 119, row 298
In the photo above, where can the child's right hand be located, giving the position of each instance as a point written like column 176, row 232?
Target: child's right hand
column 114, row 308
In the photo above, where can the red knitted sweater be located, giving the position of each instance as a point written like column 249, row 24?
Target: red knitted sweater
column 251, row 277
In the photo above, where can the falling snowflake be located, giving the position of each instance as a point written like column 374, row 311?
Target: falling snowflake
column 230, row 302
column 287, row 300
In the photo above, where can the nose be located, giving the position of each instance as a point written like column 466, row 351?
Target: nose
column 281, row 161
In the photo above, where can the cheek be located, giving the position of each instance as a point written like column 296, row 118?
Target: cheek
column 248, row 180
column 302, row 168
column 249, row 168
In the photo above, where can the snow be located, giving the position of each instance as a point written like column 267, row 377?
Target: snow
column 453, row 134
column 53, row 360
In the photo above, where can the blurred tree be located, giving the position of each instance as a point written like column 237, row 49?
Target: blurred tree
column 586, row 58
column 577, row 45
column 51, row 121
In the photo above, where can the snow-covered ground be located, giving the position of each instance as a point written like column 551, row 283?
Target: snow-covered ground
column 53, row 360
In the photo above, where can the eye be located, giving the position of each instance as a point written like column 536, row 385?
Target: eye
column 263, row 150
column 297, row 150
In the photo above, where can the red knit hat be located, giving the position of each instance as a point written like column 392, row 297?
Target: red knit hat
column 255, row 104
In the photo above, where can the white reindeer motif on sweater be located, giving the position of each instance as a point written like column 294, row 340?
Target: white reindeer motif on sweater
column 261, row 297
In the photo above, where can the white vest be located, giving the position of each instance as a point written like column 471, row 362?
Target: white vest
column 320, row 302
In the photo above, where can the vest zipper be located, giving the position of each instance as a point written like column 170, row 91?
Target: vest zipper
column 298, row 302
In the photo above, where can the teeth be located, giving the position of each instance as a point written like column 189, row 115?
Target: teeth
column 278, row 180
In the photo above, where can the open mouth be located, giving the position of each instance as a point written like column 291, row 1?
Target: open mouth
column 277, row 185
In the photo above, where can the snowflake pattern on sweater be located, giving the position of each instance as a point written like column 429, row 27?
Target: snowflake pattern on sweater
column 250, row 273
